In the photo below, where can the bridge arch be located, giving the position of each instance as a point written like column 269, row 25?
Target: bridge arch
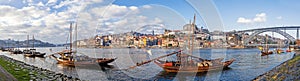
column 286, row 35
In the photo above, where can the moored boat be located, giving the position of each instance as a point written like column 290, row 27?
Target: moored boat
column 185, row 65
column 68, row 57
column 288, row 50
column 82, row 60
column 11, row 49
column 32, row 52
column 188, row 63
column 263, row 53
column 17, row 51
column 265, row 50
column 4, row 49
column 279, row 51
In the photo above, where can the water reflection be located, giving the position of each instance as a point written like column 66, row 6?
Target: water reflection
column 247, row 66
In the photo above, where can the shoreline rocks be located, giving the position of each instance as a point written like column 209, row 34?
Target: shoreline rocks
column 286, row 71
column 39, row 74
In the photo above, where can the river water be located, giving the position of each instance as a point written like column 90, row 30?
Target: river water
column 248, row 65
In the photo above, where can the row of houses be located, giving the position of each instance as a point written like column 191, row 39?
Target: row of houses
column 170, row 38
column 199, row 36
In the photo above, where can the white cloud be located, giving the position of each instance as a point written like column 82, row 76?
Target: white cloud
column 62, row 3
column 262, row 17
column 114, row 11
column 32, row 20
column 40, row 4
column 147, row 6
column 244, row 20
column 52, row 1
column 279, row 17
column 259, row 18
column 52, row 25
column 133, row 8
column 29, row 1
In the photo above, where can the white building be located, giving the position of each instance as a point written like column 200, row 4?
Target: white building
column 81, row 43
column 218, row 37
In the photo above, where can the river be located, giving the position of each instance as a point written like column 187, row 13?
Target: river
column 248, row 65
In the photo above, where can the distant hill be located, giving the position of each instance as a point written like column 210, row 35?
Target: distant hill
column 63, row 45
column 25, row 43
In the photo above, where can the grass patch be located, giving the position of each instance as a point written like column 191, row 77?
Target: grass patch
column 292, row 62
column 21, row 74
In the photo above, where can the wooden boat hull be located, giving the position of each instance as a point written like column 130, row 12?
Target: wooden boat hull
column 105, row 61
column 40, row 55
column 98, row 61
column 5, row 50
column 28, row 55
column 288, row 50
column 266, row 53
column 34, row 55
column 214, row 60
column 17, row 52
column 279, row 51
column 194, row 68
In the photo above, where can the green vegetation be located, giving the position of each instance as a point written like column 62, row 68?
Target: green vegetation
column 295, row 59
column 15, row 70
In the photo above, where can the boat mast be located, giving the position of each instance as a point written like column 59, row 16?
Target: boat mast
column 27, row 41
column 193, row 33
column 267, row 48
column 278, row 45
column 71, row 37
column 189, row 39
column 18, row 44
column 76, row 36
column 193, row 27
column 33, row 42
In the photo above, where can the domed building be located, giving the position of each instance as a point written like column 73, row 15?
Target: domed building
column 189, row 28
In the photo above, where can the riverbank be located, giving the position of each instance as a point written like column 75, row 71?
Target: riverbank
column 25, row 72
column 5, row 76
column 287, row 71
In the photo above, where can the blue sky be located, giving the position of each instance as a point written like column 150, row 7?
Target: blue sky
column 273, row 12
column 49, row 19
column 178, row 5
column 278, row 12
